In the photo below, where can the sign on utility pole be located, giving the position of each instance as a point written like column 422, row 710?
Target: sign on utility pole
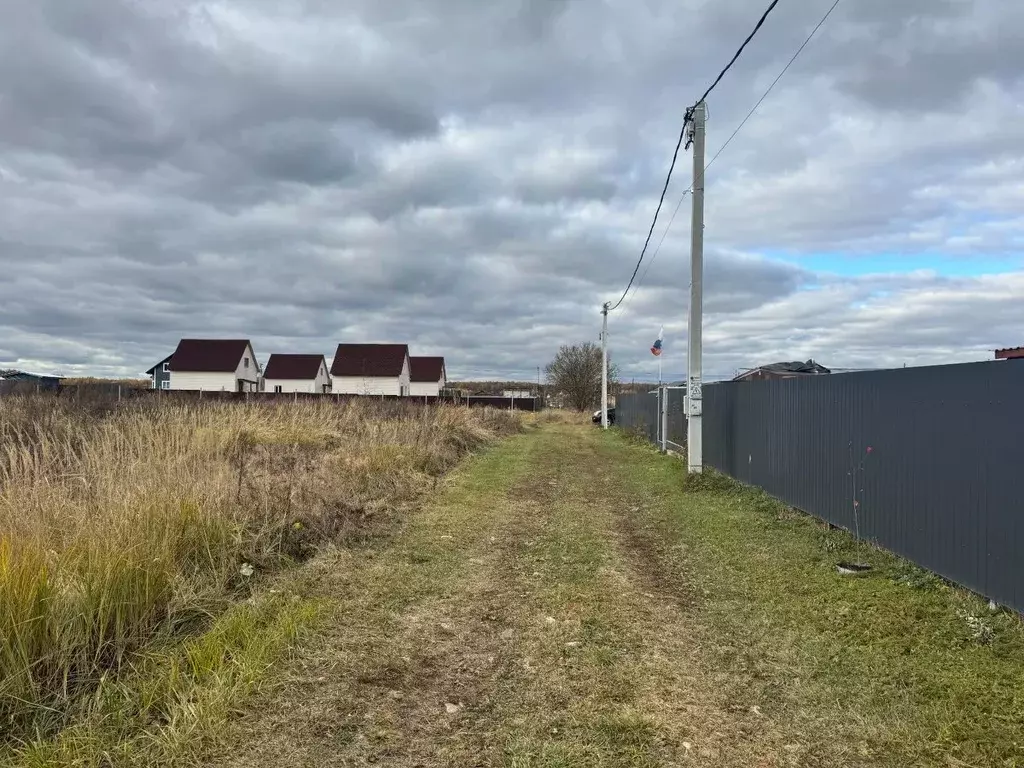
column 694, row 374
column 604, row 367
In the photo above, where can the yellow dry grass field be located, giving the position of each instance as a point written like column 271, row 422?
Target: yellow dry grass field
column 126, row 530
column 90, row 380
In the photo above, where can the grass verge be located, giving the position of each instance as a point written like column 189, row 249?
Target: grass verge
column 893, row 668
column 170, row 708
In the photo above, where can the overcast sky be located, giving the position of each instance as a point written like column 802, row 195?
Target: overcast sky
column 476, row 178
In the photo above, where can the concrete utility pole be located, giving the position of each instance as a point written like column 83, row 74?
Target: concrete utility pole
column 604, row 366
column 694, row 373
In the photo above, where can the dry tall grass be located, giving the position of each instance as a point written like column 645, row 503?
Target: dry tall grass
column 121, row 527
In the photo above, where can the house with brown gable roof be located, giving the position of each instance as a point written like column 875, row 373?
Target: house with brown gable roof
column 371, row 369
column 296, row 373
column 427, row 376
column 214, row 365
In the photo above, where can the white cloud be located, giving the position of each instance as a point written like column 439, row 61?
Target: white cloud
column 476, row 178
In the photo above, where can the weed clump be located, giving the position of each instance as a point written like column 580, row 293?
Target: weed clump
column 139, row 523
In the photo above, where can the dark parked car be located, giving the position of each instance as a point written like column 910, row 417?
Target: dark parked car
column 611, row 416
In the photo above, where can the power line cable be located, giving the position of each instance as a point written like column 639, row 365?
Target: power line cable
column 733, row 136
column 773, row 84
column 682, row 134
column 757, row 27
column 658, row 248
column 654, row 221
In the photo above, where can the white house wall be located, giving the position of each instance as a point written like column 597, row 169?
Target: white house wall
column 315, row 386
column 323, row 378
column 250, row 373
column 290, row 385
column 404, row 379
column 207, row 382
column 425, row 388
column 368, row 385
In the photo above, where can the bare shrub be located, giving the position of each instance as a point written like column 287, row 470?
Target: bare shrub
column 575, row 374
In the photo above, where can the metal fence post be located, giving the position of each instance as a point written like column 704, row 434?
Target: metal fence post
column 663, row 417
column 657, row 418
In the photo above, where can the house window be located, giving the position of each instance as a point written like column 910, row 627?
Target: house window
column 167, row 367
column 165, row 384
column 245, row 362
column 278, row 388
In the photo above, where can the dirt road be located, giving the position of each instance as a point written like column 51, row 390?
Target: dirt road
column 562, row 602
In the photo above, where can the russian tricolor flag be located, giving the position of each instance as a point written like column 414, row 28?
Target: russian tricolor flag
column 656, row 347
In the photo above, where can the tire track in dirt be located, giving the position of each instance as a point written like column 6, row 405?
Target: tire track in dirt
column 591, row 697
column 472, row 641
column 405, row 672
column 443, row 652
column 727, row 728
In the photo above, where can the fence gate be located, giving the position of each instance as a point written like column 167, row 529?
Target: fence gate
column 658, row 415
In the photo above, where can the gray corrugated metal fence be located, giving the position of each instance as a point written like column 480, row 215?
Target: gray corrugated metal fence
column 676, row 419
column 939, row 484
column 639, row 413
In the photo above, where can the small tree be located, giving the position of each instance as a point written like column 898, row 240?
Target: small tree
column 575, row 373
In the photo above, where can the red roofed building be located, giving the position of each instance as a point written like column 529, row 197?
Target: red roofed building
column 214, row 365
column 371, row 369
column 297, row 373
column 427, row 376
column 1012, row 353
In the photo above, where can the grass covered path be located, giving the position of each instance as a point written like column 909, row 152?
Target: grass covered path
column 565, row 601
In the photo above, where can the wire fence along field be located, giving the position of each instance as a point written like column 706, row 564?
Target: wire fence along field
column 924, row 462
column 118, row 392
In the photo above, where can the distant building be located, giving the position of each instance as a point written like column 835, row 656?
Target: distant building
column 783, row 370
column 427, row 376
column 371, row 369
column 160, row 374
column 516, row 393
column 214, row 365
column 22, row 381
column 1011, row 353
column 296, row 373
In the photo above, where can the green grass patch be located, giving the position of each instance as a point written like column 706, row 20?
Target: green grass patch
column 578, row 707
column 896, row 667
column 170, row 705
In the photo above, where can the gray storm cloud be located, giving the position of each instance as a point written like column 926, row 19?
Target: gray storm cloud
column 476, row 178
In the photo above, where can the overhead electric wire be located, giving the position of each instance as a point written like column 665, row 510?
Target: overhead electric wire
column 663, row 235
column 773, row 84
column 654, row 221
column 760, row 23
column 732, row 136
column 682, row 134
